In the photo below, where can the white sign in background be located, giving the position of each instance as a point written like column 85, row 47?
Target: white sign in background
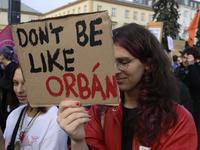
column 170, row 43
column 156, row 32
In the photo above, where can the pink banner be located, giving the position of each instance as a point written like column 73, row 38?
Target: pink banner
column 6, row 38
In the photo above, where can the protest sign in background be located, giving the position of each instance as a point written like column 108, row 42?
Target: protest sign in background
column 67, row 57
column 156, row 28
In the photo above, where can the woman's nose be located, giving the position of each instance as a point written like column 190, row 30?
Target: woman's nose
column 117, row 70
column 20, row 88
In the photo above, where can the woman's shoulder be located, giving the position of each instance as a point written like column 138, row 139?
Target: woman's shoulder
column 15, row 113
column 17, row 110
column 183, row 113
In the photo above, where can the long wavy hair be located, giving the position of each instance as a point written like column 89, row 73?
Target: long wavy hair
column 158, row 87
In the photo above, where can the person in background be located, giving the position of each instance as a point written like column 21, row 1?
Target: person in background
column 179, row 60
column 148, row 116
column 38, row 128
column 15, row 101
column 7, row 59
column 175, row 63
column 185, row 97
column 189, row 74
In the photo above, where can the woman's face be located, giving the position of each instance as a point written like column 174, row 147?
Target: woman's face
column 128, row 79
column 18, row 86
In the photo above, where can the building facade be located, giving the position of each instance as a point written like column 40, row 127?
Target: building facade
column 27, row 13
column 120, row 11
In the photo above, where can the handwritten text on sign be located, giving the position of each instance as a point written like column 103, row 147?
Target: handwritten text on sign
column 60, row 64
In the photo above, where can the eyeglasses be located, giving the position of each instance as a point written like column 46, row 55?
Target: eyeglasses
column 122, row 63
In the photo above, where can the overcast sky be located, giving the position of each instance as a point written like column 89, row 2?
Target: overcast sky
column 44, row 6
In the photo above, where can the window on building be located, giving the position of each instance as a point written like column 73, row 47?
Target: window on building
column 33, row 18
column 63, row 13
column 150, row 18
column 135, row 15
column 141, row 1
column 142, row 16
column 191, row 4
column 99, row 8
column 186, row 2
column 127, row 14
column 79, row 10
column 73, row 11
column 150, row 3
column 113, row 26
column 113, row 12
column 85, row 8
column 195, row 5
column 68, row 11
column 185, row 13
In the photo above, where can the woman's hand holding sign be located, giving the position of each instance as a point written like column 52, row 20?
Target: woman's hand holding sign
column 71, row 118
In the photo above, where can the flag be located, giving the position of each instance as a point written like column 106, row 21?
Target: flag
column 192, row 28
column 6, row 39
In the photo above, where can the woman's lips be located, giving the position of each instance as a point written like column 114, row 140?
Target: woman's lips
column 21, row 97
column 120, row 80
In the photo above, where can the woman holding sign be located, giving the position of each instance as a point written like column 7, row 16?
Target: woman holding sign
column 148, row 116
column 32, row 128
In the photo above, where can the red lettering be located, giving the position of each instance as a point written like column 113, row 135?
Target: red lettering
column 96, row 66
column 69, row 87
column 61, row 86
column 111, row 88
column 83, row 88
column 96, row 86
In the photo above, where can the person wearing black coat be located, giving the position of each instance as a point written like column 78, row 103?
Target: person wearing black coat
column 189, row 73
column 7, row 59
column 185, row 97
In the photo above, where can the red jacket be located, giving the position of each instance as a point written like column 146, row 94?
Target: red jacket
column 183, row 136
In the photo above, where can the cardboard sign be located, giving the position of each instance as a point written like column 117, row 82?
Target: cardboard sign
column 156, row 28
column 70, row 57
column 179, row 46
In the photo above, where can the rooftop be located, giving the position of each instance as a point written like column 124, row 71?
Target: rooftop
column 24, row 7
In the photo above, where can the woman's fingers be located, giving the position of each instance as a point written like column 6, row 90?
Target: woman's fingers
column 71, row 118
column 71, row 127
column 66, row 104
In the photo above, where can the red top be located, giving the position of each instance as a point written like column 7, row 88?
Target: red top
column 182, row 136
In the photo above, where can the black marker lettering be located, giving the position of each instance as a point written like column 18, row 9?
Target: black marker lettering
column 19, row 30
column 93, row 32
column 33, row 31
column 33, row 69
column 43, row 36
column 69, row 60
column 82, row 33
column 52, row 61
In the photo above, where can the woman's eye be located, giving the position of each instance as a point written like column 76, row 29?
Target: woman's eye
column 122, row 61
column 15, row 83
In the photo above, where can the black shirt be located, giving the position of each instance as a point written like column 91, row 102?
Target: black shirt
column 127, row 136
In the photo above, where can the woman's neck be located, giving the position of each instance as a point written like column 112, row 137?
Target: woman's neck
column 32, row 111
column 130, row 99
